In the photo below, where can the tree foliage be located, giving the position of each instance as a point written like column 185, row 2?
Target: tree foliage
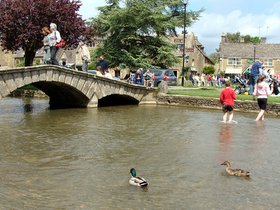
column 21, row 23
column 209, row 70
column 135, row 32
column 214, row 57
column 237, row 37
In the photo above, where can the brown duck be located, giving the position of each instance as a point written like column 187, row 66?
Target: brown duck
column 235, row 172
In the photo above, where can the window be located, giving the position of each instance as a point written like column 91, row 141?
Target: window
column 180, row 47
column 267, row 62
column 234, row 61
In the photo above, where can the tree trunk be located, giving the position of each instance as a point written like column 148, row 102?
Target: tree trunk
column 29, row 57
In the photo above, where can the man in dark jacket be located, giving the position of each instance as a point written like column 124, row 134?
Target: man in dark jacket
column 103, row 64
column 254, row 75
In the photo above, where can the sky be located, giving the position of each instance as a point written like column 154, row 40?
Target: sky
column 249, row 17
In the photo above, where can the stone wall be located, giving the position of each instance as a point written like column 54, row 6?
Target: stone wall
column 6, row 58
column 247, row 106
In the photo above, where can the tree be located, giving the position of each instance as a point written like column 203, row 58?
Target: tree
column 136, row 31
column 209, row 70
column 236, row 37
column 21, row 23
column 214, row 57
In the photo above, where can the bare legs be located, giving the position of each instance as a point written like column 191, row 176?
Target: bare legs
column 228, row 115
column 260, row 115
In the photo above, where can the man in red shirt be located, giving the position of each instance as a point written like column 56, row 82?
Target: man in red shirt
column 227, row 98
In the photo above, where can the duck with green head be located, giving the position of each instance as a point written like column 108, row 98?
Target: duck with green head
column 137, row 180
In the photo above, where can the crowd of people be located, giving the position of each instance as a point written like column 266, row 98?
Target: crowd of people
column 206, row 79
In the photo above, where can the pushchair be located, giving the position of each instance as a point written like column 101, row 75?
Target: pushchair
column 242, row 86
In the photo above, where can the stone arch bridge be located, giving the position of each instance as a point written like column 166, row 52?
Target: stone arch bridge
column 68, row 88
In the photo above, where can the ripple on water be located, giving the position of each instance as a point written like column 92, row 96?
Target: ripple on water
column 80, row 158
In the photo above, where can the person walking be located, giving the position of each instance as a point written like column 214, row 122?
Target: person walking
column 54, row 38
column 227, row 98
column 262, row 91
column 254, row 75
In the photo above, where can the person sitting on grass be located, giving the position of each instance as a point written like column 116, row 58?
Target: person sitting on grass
column 227, row 98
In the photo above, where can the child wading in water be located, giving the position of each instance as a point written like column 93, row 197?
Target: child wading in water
column 227, row 98
column 262, row 91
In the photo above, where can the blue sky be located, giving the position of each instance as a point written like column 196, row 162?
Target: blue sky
column 253, row 17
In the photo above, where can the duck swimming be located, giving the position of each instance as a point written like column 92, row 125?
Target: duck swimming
column 235, row 172
column 137, row 180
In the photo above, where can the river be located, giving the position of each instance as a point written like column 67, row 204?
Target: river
column 80, row 158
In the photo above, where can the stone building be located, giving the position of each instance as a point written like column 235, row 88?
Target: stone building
column 6, row 58
column 195, row 57
column 235, row 58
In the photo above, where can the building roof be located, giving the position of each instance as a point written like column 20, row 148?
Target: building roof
column 246, row 50
column 191, row 43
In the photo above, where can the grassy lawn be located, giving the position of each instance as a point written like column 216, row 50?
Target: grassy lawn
column 214, row 93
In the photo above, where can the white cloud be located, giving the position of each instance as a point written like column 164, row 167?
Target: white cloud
column 237, row 16
column 210, row 27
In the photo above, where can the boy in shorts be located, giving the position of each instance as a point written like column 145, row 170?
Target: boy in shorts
column 227, row 98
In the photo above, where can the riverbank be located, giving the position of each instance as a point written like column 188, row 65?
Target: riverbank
column 213, row 103
column 182, row 100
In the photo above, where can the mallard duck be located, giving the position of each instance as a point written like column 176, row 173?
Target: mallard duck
column 137, row 180
column 235, row 172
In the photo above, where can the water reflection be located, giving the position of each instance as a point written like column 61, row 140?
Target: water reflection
column 225, row 137
column 80, row 158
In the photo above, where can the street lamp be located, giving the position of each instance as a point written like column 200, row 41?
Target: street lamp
column 184, row 39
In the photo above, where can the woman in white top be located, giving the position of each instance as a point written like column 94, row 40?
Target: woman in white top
column 54, row 38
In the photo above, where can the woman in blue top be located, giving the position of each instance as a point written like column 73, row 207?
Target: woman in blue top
column 138, row 77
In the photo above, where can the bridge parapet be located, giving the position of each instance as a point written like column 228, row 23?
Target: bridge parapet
column 69, row 88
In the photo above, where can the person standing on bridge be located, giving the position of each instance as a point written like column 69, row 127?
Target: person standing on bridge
column 54, row 38
column 103, row 64
column 85, row 55
column 47, row 54
column 138, row 77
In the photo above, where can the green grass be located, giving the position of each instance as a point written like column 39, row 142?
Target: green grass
column 214, row 93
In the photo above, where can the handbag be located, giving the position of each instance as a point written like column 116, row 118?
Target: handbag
column 60, row 44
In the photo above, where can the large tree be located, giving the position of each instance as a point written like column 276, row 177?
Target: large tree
column 135, row 32
column 21, row 23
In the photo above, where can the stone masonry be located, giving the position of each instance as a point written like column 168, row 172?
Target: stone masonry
column 69, row 88
column 246, row 106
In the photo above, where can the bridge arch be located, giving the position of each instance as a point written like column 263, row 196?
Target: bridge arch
column 67, row 88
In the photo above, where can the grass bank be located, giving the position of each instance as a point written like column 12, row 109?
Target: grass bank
column 214, row 93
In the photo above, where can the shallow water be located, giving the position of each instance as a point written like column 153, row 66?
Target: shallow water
column 80, row 158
